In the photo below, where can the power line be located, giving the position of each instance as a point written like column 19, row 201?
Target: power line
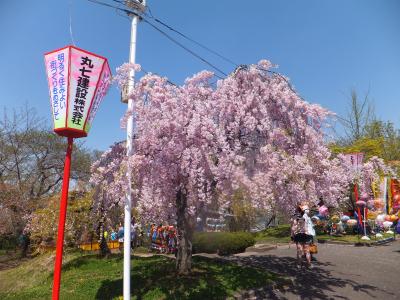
column 128, row 11
column 192, row 40
column 187, row 49
column 150, row 15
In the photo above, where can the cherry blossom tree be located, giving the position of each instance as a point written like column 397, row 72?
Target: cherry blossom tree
column 199, row 143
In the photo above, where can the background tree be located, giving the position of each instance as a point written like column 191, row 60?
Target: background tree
column 360, row 114
column 80, row 224
column 31, row 165
column 364, row 132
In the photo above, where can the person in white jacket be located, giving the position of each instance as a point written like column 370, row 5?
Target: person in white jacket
column 309, row 227
column 302, row 234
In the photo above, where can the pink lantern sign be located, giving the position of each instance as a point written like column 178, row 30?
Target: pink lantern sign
column 78, row 81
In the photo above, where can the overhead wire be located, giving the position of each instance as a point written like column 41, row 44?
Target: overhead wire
column 188, row 50
column 151, row 16
column 128, row 11
column 192, row 40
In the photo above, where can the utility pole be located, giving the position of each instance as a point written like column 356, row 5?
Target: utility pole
column 138, row 6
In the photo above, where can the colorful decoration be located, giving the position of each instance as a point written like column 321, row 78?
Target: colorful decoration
column 323, row 211
column 372, row 215
column 387, row 224
column 371, row 204
column 335, row 219
column 361, row 203
column 352, row 222
column 380, row 218
column 396, row 202
column 378, row 203
column 394, row 199
column 344, row 219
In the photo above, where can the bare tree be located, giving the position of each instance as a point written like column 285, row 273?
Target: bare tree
column 360, row 114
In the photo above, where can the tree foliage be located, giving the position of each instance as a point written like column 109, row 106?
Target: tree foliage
column 80, row 223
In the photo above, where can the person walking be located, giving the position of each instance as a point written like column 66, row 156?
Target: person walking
column 301, row 235
column 310, row 231
column 120, row 236
column 134, row 234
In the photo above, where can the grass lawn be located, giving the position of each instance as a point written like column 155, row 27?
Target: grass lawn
column 278, row 234
column 88, row 277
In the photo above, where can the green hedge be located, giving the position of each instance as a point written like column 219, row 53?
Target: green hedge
column 8, row 242
column 223, row 243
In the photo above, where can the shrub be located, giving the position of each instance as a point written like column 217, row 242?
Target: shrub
column 279, row 231
column 223, row 243
column 8, row 242
column 43, row 222
column 276, row 234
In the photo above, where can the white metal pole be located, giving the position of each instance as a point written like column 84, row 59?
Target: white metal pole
column 365, row 237
column 129, row 151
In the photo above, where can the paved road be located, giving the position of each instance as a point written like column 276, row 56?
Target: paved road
column 341, row 272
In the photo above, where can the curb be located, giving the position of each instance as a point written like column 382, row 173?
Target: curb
column 333, row 242
column 358, row 244
column 260, row 248
column 377, row 243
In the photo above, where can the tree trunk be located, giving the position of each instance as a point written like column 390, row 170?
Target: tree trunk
column 184, row 236
column 104, row 250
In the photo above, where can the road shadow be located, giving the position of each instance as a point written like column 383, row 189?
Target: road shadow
column 316, row 283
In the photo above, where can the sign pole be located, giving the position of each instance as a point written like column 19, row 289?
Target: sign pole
column 61, row 221
column 365, row 237
column 78, row 81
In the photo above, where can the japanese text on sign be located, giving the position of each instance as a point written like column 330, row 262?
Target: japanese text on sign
column 58, row 83
column 82, row 90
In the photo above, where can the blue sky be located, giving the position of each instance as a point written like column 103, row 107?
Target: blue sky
column 324, row 47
